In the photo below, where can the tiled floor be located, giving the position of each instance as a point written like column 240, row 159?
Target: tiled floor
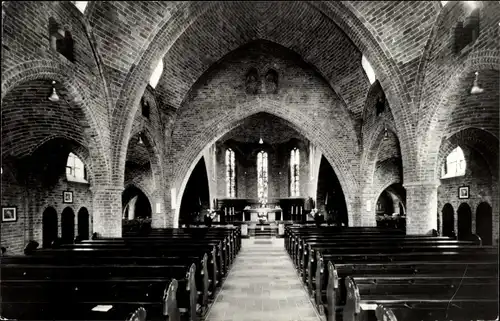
column 262, row 285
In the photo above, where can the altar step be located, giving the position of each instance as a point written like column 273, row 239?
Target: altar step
column 265, row 233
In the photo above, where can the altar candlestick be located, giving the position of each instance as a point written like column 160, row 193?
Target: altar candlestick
column 300, row 210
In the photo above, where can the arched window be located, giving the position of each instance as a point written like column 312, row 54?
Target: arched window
column 454, row 165
column 230, row 174
column 368, row 69
column 81, row 5
column 155, row 77
column 262, row 175
column 294, row 172
column 75, row 169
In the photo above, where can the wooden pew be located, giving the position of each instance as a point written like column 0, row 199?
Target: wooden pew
column 475, row 298
column 222, row 252
column 230, row 244
column 134, row 267
column 436, row 311
column 409, row 263
column 67, row 293
column 233, row 234
column 335, row 292
column 297, row 239
column 308, row 271
column 217, row 266
column 309, row 247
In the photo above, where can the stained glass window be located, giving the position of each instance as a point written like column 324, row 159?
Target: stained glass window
column 262, row 175
column 230, row 173
column 294, row 172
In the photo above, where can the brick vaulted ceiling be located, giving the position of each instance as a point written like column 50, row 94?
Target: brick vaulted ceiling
column 200, row 34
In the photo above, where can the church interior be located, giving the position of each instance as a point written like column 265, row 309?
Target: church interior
column 213, row 160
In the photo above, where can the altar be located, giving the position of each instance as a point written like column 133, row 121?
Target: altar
column 270, row 214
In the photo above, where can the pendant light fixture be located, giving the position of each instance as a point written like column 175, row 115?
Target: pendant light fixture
column 475, row 88
column 139, row 141
column 54, row 97
column 386, row 133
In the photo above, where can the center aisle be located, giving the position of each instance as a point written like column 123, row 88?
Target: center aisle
column 262, row 285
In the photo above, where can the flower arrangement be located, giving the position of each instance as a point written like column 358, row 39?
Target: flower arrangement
column 211, row 213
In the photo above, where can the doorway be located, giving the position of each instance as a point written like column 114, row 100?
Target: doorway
column 49, row 227
column 67, row 226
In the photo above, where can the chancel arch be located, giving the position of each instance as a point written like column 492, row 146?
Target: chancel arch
column 293, row 106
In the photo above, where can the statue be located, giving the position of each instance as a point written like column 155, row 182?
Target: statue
column 252, row 82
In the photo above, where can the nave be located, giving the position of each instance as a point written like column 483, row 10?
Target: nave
column 141, row 140
column 262, row 284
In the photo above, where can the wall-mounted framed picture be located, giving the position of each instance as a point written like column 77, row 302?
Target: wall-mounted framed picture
column 68, row 197
column 9, row 214
column 463, row 192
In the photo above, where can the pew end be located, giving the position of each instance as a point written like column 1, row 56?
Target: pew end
column 138, row 315
column 384, row 314
column 170, row 307
column 193, row 293
column 205, row 276
column 319, row 279
column 331, row 291
column 352, row 306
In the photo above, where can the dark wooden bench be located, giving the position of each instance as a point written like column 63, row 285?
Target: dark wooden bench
column 324, row 283
column 230, row 244
column 365, row 293
column 309, row 247
column 435, row 311
column 233, row 234
column 71, row 252
column 224, row 252
column 52, row 296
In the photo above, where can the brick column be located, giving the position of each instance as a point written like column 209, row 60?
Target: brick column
column 107, row 211
column 421, row 207
column 159, row 219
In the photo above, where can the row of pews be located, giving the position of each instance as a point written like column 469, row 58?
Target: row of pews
column 370, row 273
column 170, row 274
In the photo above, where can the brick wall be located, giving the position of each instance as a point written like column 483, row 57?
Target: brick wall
column 483, row 187
column 219, row 103
column 316, row 49
column 31, row 200
column 26, row 55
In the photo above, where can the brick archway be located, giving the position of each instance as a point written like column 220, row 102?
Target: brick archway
column 77, row 96
column 336, row 156
column 434, row 125
column 371, row 192
column 168, row 31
